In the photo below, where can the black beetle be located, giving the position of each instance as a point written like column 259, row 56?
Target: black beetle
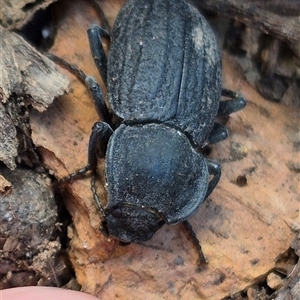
column 163, row 75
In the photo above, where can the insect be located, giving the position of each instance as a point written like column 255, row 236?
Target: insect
column 163, row 75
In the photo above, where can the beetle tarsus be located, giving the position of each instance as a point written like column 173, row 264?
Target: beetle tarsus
column 195, row 240
column 96, row 197
column 99, row 11
column 73, row 176
column 70, row 67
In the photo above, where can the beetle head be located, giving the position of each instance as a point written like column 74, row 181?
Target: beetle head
column 131, row 223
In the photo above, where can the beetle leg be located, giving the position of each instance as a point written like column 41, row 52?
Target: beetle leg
column 92, row 85
column 236, row 103
column 195, row 240
column 101, row 14
column 214, row 169
column 99, row 137
column 98, row 99
column 72, row 176
column 103, row 228
column 218, row 133
column 95, row 34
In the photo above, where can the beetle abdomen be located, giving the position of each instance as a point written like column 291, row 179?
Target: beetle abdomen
column 164, row 66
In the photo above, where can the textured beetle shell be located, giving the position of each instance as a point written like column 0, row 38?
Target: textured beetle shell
column 155, row 166
column 165, row 66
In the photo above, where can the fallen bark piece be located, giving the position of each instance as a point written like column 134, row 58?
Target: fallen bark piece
column 274, row 281
column 14, row 14
column 25, row 71
column 28, row 216
column 5, row 187
column 291, row 288
column 26, row 78
column 282, row 20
